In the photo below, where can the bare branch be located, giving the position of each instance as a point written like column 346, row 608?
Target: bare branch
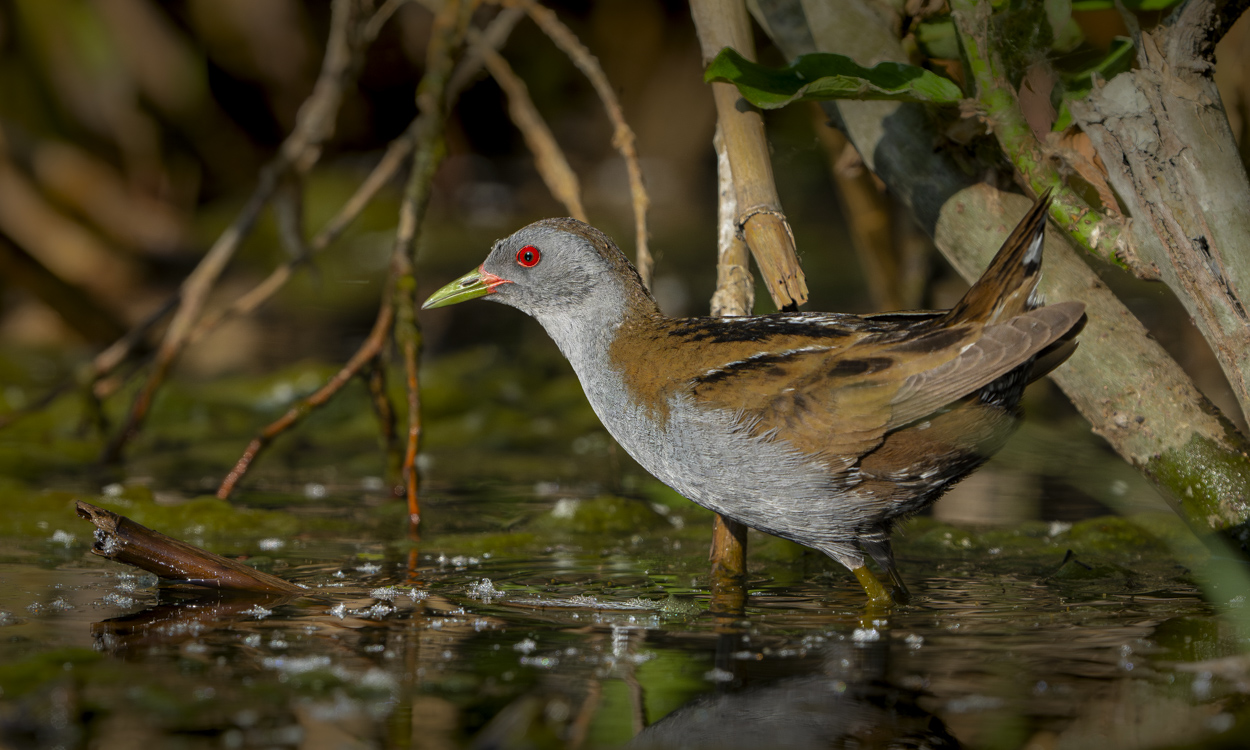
column 367, row 353
column 301, row 149
column 549, row 159
column 623, row 136
column 121, row 539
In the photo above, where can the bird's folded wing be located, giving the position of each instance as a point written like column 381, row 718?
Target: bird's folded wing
column 822, row 400
column 841, row 401
column 1000, row 349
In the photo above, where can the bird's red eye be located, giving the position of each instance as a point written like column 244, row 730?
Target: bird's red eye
column 528, row 256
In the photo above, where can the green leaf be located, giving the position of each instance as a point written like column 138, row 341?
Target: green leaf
column 938, row 38
column 821, row 76
column 1117, row 60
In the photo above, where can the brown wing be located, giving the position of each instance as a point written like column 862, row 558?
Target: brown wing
column 999, row 349
column 841, row 401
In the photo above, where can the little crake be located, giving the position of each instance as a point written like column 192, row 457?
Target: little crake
column 822, row 428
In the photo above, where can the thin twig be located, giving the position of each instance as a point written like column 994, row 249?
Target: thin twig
column 374, row 25
column 622, row 136
column 549, row 159
column 301, row 149
column 398, row 309
column 397, row 153
column 491, row 38
column 447, row 34
column 368, row 352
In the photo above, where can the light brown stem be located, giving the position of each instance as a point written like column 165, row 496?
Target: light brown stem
column 735, row 295
column 549, row 159
column 622, row 134
column 720, row 24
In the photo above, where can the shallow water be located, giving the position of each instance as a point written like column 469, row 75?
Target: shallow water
column 579, row 638
column 558, row 598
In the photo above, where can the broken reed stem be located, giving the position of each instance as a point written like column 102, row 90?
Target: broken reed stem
column 720, row 24
column 622, row 137
column 735, row 287
column 369, row 351
column 549, row 159
column 299, row 152
column 122, row 540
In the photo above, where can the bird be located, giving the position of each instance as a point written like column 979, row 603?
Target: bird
column 826, row 429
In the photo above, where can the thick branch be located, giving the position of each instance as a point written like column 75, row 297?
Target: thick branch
column 1171, row 156
column 1110, row 384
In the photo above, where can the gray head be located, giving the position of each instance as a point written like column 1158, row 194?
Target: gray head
column 554, row 269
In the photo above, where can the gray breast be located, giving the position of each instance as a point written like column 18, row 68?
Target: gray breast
column 712, row 458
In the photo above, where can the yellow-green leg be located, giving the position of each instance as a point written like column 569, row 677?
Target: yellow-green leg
column 878, row 596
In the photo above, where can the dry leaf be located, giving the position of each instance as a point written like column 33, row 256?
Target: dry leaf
column 1077, row 151
column 1035, row 90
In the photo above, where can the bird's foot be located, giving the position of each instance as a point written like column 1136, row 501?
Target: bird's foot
column 879, row 598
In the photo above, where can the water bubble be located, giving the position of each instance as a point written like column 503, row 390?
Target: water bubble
column 525, row 646
column 258, row 612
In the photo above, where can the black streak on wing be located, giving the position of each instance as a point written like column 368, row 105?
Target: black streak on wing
column 761, row 328
column 770, row 362
column 935, row 340
column 844, row 368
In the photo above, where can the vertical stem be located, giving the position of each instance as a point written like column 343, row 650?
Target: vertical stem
column 446, row 36
column 720, row 24
column 735, row 295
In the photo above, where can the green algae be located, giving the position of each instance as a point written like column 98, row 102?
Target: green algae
column 26, row 674
column 1209, row 483
column 603, row 515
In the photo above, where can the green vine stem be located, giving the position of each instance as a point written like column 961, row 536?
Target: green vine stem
column 1094, row 231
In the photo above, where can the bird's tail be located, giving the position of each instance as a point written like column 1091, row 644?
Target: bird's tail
column 1009, row 286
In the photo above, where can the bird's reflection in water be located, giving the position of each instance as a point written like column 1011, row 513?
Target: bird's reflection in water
column 848, row 705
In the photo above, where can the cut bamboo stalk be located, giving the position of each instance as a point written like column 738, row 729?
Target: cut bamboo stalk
column 720, row 24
